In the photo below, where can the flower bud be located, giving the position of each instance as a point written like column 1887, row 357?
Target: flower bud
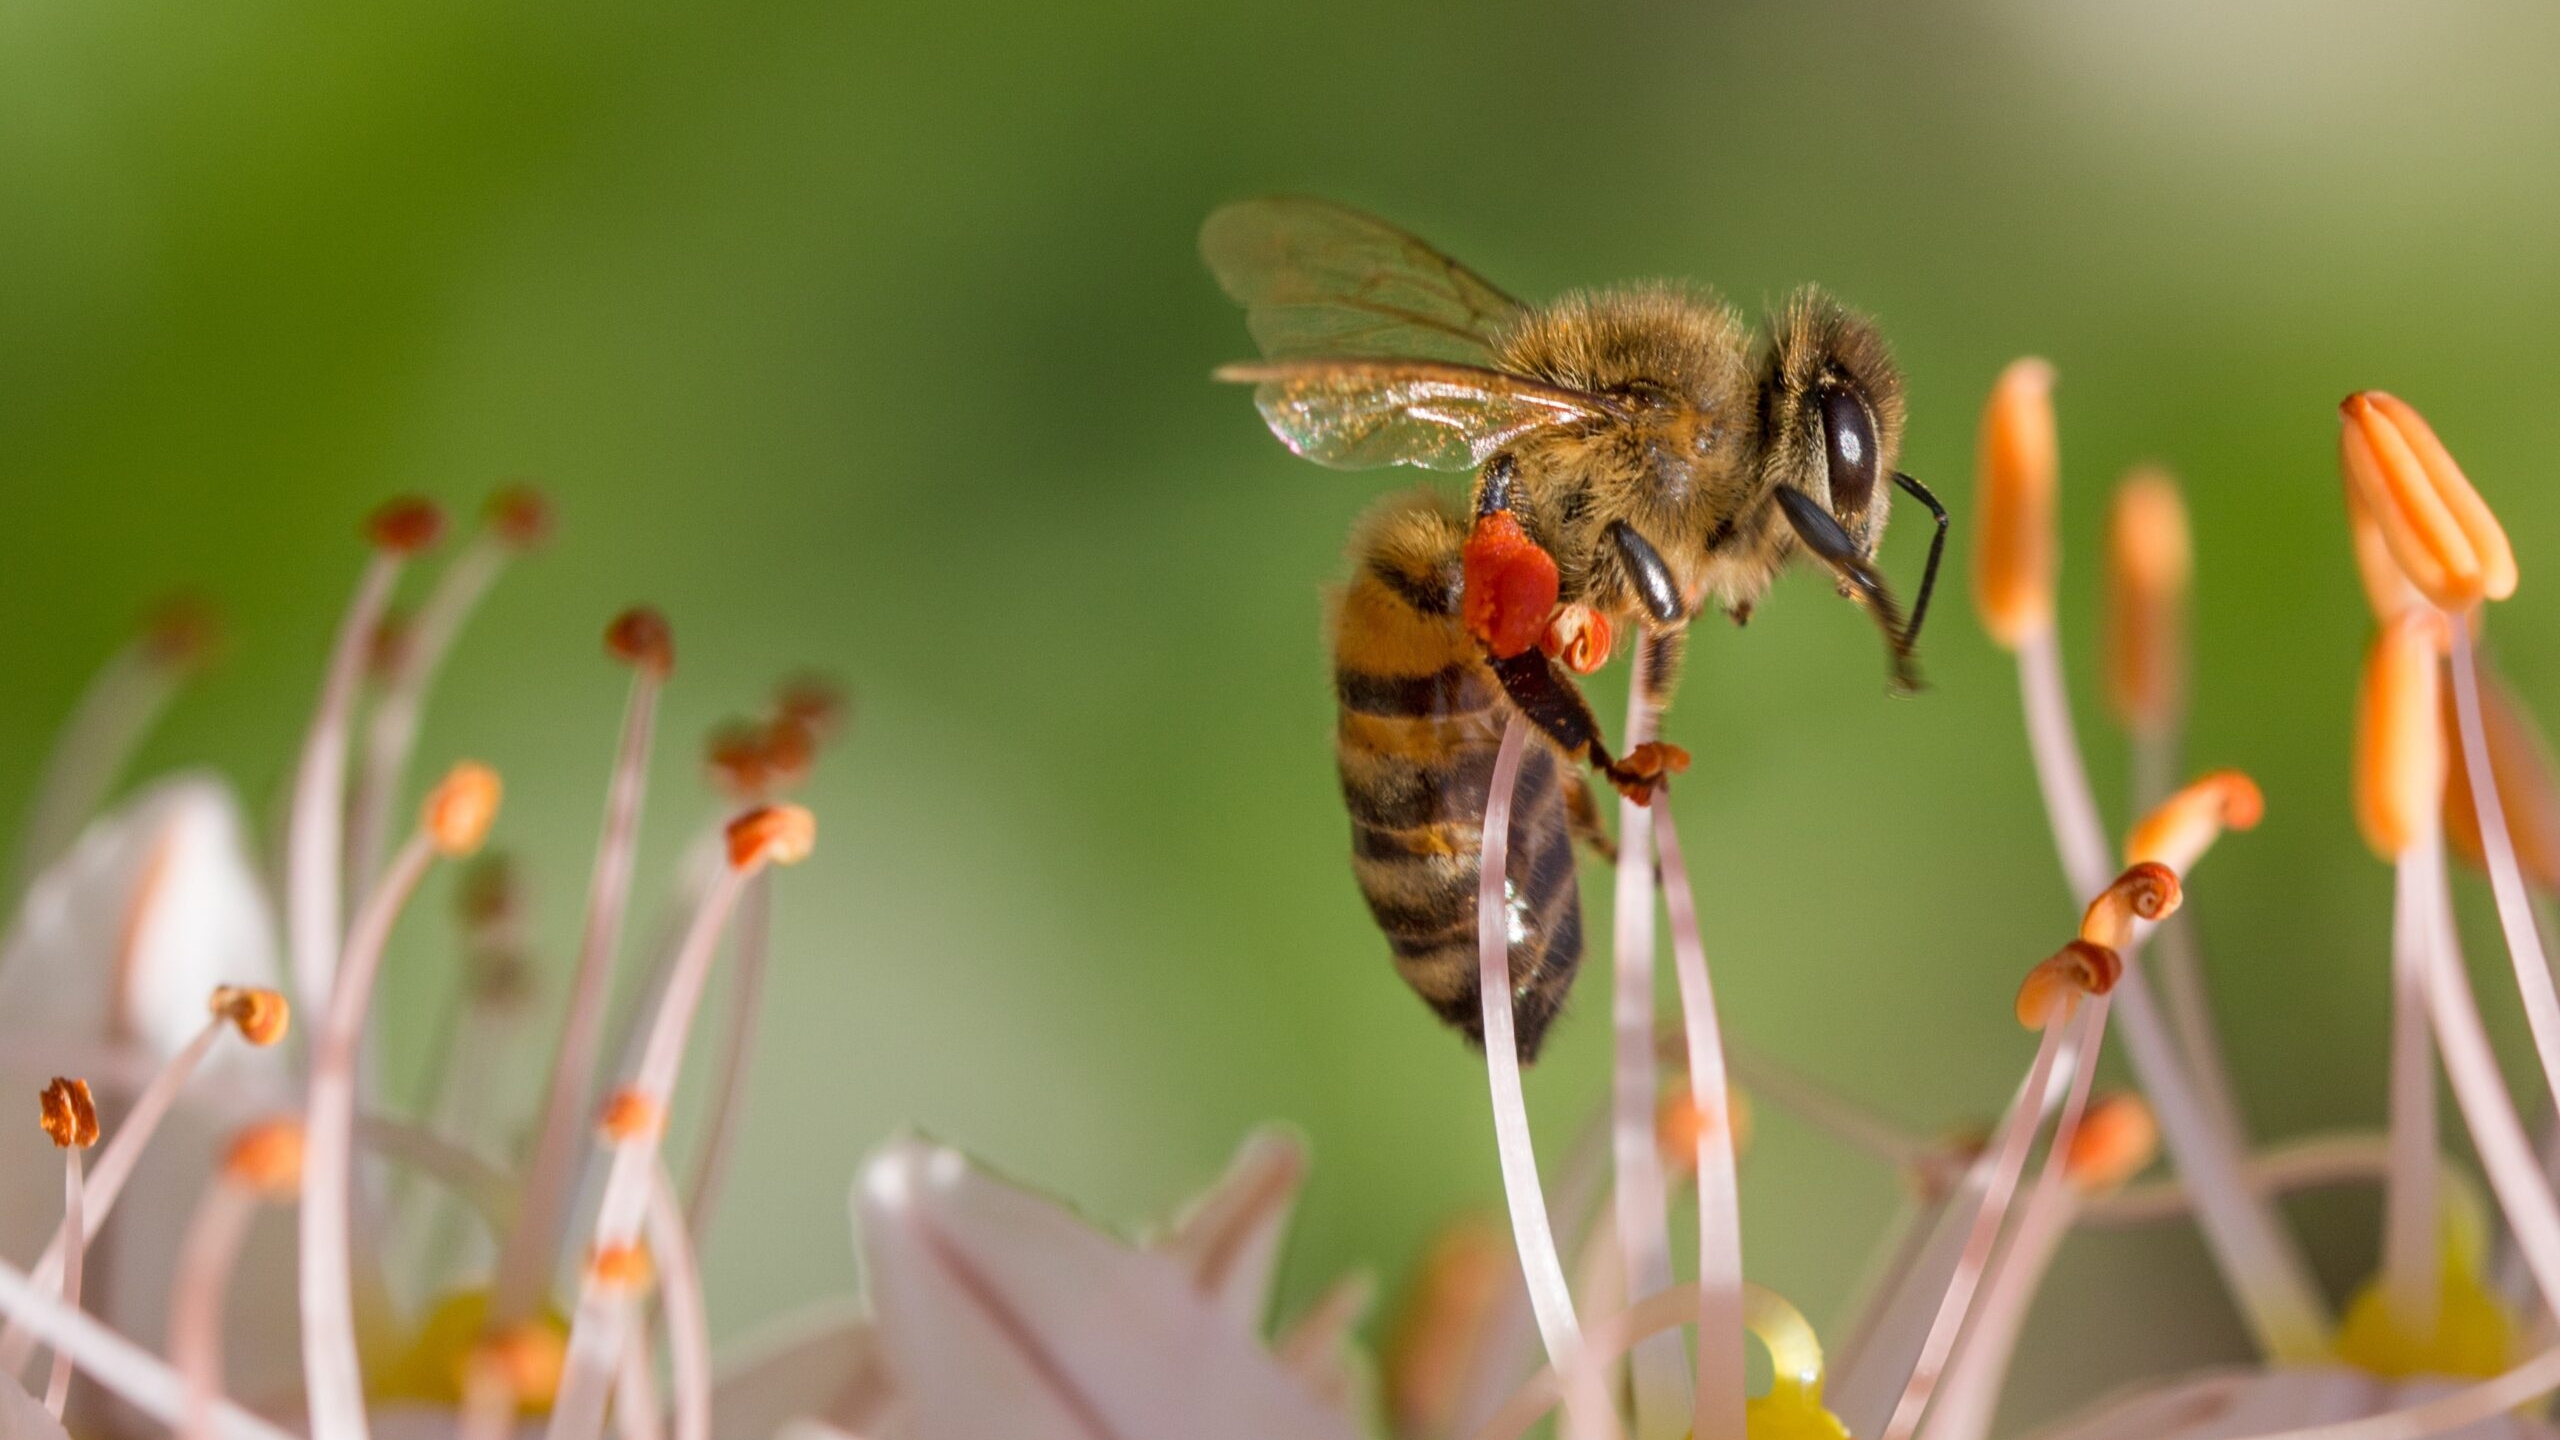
column 2434, row 524
column 2400, row 735
column 2149, row 562
column 2017, row 472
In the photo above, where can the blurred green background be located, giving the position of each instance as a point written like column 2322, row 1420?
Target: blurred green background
column 871, row 338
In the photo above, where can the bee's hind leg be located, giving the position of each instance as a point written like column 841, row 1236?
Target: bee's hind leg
column 1582, row 817
column 1555, row 705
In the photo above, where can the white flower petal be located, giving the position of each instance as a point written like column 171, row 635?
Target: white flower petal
column 823, row 1368
column 1004, row 1315
column 156, row 905
column 1230, row 1237
column 2227, row 1404
column 22, row 1418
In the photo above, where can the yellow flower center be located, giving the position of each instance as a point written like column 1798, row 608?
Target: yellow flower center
column 437, row 1365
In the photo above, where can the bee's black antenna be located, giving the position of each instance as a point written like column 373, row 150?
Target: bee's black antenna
column 1830, row 544
column 1937, row 547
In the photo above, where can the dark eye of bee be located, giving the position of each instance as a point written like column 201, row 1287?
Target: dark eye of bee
column 1849, row 439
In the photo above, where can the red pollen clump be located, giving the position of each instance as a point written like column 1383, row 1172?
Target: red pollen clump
column 640, row 637
column 1511, row 586
column 69, row 1115
column 406, row 526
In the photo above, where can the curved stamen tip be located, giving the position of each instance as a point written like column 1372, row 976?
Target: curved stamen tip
column 771, row 835
column 462, row 807
column 262, row 1016
column 2400, row 760
column 2019, row 464
column 2186, row 824
column 2442, row 534
column 2118, row 1139
column 2053, row 989
column 68, row 1114
column 623, row 1268
column 519, row 515
column 528, row 1358
column 630, row 1115
column 265, row 1158
column 406, row 526
column 183, row 632
column 641, row 638
column 2147, row 890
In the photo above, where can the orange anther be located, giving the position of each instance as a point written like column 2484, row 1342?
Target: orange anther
column 406, row 526
column 2400, row 734
column 2185, row 825
column 528, row 1357
column 2118, row 1139
column 68, row 1114
column 2386, row 585
column 630, row 1115
column 738, row 756
column 266, row 1157
column 462, row 807
column 621, row 1267
column 2149, row 560
column 641, row 638
column 2528, row 783
column 817, row 704
column 2435, row 525
column 1510, row 585
column 262, row 1016
column 519, row 515
column 1579, row 638
column 771, row 835
column 2147, row 890
column 1431, row 1345
column 2018, row 469
column 2055, row 986
column 1679, row 1125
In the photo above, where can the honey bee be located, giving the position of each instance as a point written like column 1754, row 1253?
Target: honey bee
column 1638, row 455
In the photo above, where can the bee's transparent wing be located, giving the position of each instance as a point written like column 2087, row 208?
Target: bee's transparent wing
column 1355, row 414
column 1317, row 279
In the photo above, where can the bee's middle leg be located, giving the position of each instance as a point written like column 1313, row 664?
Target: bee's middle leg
column 1554, row 704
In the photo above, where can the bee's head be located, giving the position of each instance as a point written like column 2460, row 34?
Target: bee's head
column 1831, row 413
column 1830, row 434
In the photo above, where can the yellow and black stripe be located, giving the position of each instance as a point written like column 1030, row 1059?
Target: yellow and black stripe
column 1421, row 720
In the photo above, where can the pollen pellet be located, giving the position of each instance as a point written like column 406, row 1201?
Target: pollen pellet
column 2018, row 464
column 266, row 1158
column 771, row 835
column 462, row 807
column 630, row 1115
column 262, row 1016
column 622, row 1267
column 68, row 1113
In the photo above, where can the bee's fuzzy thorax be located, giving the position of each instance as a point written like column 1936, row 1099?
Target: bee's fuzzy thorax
column 1650, row 334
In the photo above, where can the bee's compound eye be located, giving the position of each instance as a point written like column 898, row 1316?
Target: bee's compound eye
column 1849, row 442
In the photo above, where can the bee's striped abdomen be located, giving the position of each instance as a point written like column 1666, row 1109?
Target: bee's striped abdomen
column 1421, row 719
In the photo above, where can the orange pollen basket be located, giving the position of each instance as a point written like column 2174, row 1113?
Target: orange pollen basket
column 68, row 1113
column 1511, row 585
column 263, row 1016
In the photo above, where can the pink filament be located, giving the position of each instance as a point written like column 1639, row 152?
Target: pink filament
column 391, row 732
column 131, row 1372
column 688, row 1330
column 315, row 827
column 205, row 1262
column 728, row 1100
column 2506, row 880
column 57, row 1387
column 2409, row 1264
column 524, row 1266
column 1720, row 1381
